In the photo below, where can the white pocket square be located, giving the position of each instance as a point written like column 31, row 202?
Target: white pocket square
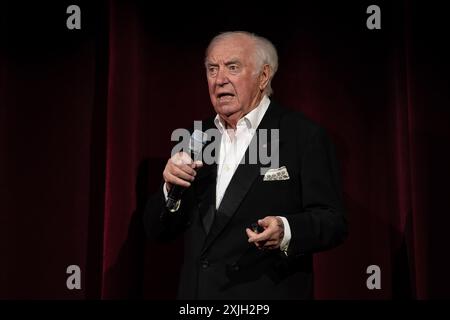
column 276, row 174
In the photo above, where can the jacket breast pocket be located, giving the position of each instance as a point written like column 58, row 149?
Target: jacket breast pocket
column 279, row 193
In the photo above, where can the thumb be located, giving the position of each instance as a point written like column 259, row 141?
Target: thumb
column 197, row 164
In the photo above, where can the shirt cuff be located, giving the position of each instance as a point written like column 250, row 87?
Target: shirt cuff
column 287, row 235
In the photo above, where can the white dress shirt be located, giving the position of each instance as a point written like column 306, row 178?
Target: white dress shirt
column 233, row 145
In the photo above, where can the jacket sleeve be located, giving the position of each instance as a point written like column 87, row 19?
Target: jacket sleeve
column 161, row 224
column 322, row 223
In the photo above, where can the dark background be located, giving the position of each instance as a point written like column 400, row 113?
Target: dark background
column 86, row 117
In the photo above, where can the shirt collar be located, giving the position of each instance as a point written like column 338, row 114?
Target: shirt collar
column 251, row 119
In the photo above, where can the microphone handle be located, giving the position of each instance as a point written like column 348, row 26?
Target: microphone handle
column 173, row 198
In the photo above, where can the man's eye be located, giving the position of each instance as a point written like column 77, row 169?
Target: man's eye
column 212, row 71
column 233, row 67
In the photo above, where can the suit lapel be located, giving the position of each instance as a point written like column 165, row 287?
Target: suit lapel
column 206, row 186
column 241, row 182
column 206, row 195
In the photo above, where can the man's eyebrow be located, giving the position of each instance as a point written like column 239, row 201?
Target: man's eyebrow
column 233, row 61
column 212, row 64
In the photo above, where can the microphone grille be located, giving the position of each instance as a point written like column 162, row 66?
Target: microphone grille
column 197, row 141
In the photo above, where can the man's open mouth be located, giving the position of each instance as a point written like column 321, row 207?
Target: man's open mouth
column 225, row 96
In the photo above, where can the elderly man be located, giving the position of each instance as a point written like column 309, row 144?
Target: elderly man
column 249, row 235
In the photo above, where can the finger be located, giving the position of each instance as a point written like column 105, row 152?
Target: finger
column 263, row 236
column 181, row 158
column 271, row 243
column 260, row 245
column 170, row 178
column 176, row 171
column 250, row 234
column 197, row 164
column 188, row 169
column 264, row 222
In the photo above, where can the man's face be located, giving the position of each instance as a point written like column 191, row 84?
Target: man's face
column 232, row 81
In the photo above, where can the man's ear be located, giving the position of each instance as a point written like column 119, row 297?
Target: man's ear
column 264, row 77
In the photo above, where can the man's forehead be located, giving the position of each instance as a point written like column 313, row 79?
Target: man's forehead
column 227, row 52
column 224, row 58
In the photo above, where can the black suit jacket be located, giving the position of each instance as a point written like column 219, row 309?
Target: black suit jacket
column 219, row 263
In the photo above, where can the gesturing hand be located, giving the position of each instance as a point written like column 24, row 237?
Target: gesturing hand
column 272, row 235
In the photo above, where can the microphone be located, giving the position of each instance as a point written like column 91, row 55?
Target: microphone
column 196, row 142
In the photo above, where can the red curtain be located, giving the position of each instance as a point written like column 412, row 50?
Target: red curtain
column 86, row 117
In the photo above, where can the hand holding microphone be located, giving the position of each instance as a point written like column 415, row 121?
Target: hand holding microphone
column 180, row 170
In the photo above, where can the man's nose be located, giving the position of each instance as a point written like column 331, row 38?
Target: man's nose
column 221, row 78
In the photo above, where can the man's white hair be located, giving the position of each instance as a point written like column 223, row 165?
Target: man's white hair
column 265, row 53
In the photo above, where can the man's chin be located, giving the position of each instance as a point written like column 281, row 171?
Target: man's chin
column 226, row 109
